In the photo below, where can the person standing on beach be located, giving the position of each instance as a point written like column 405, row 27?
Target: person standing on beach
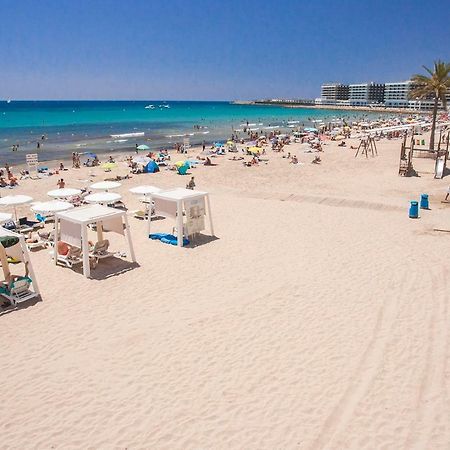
column 136, row 149
column 191, row 184
column 203, row 146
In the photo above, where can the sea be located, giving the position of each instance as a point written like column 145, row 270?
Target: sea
column 55, row 129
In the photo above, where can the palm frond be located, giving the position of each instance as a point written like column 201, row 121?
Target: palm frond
column 429, row 70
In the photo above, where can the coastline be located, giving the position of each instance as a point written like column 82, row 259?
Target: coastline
column 383, row 110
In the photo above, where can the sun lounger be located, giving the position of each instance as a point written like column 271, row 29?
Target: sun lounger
column 19, row 291
column 100, row 250
column 72, row 258
column 38, row 244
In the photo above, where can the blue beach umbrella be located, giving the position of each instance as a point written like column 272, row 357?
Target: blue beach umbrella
column 143, row 147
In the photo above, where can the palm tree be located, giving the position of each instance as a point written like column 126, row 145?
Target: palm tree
column 435, row 86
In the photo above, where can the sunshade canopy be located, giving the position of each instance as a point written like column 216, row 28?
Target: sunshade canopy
column 105, row 185
column 145, row 190
column 64, row 193
column 103, row 197
column 51, row 207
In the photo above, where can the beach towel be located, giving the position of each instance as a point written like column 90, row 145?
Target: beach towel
column 167, row 238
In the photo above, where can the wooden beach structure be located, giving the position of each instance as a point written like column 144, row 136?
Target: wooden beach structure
column 414, row 147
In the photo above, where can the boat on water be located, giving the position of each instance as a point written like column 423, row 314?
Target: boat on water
column 150, row 107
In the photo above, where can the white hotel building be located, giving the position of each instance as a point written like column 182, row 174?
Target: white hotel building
column 389, row 95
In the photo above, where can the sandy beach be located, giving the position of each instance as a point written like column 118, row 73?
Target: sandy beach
column 317, row 319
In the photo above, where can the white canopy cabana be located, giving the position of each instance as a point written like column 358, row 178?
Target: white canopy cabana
column 176, row 202
column 72, row 227
column 20, row 253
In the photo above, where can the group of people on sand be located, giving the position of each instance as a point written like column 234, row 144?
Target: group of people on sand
column 76, row 163
column 10, row 180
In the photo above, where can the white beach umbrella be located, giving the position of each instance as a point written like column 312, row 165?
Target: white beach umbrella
column 145, row 190
column 4, row 217
column 103, row 197
column 105, row 185
column 64, row 193
column 14, row 201
column 51, row 207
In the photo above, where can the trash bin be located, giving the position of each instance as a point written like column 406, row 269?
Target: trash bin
column 414, row 210
column 424, row 201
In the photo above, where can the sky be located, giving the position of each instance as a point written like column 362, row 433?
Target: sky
column 212, row 50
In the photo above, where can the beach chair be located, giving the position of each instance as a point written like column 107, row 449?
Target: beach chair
column 19, row 291
column 100, row 250
column 140, row 214
column 26, row 226
column 72, row 258
column 40, row 243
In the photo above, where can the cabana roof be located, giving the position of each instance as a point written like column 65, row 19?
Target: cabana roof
column 89, row 214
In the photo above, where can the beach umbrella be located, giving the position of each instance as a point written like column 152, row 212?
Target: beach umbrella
column 64, row 193
column 180, row 163
column 14, row 201
column 254, row 150
column 108, row 165
column 4, row 217
column 143, row 147
column 90, row 155
column 311, row 130
column 339, row 137
column 103, row 197
column 51, row 207
column 250, row 143
column 105, row 185
column 145, row 190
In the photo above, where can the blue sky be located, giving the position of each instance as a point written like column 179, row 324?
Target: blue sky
column 199, row 49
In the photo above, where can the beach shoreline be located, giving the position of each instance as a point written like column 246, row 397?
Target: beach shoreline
column 379, row 110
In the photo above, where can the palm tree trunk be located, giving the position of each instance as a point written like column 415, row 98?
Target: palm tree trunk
column 433, row 125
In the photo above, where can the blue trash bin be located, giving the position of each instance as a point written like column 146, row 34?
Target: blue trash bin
column 424, row 201
column 414, row 210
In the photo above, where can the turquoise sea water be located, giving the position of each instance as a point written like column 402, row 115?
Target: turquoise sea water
column 89, row 125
